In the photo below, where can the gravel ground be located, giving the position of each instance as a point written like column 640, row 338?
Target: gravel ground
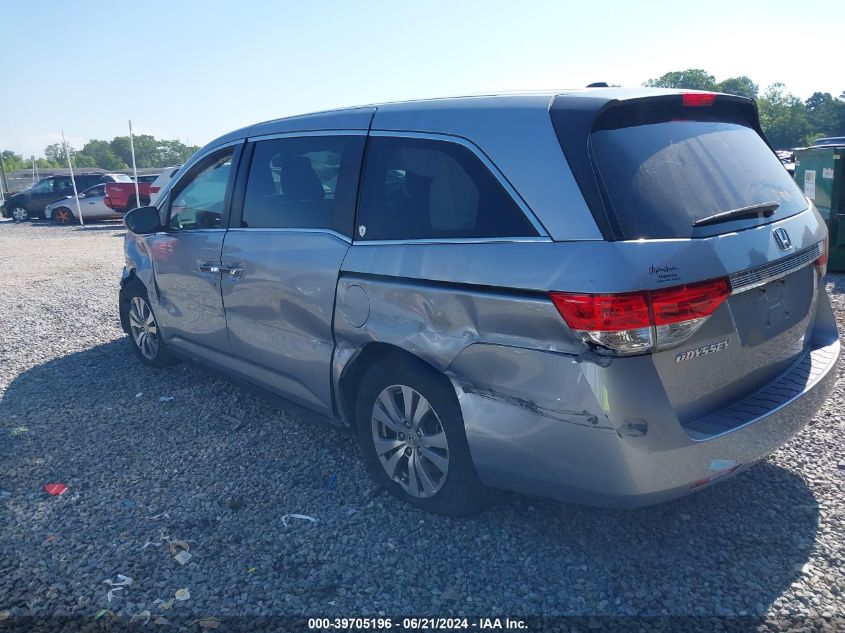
column 218, row 469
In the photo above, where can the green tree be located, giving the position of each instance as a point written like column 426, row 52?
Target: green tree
column 783, row 117
column 825, row 114
column 175, row 153
column 742, row 86
column 150, row 152
column 11, row 160
column 102, row 155
column 46, row 163
column 146, row 150
column 691, row 79
column 55, row 152
column 82, row 160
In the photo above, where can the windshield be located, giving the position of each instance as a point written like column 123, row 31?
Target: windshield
column 662, row 177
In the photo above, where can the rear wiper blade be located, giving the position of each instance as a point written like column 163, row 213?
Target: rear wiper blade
column 762, row 210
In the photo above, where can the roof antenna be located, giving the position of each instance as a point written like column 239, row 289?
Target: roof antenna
column 598, row 84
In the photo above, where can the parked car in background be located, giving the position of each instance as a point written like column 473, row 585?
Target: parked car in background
column 830, row 140
column 787, row 158
column 31, row 202
column 159, row 183
column 609, row 296
column 148, row 178
column 121, row 196
column 92, row 203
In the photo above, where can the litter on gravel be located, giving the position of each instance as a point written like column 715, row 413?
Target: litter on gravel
column 302, row 517
column 55, row 489
column 119, row 585
column 182, row 557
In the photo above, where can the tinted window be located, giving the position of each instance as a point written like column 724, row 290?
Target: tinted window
column 95, row 192
column 199, row 200
column 426, row 189
column 65, row 186
column 662, row 177
column 44, row 186
column 83, row 182
column 303, row 182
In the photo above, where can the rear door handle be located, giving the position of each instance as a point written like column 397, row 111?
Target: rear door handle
column 227, row 270
column 231, row 270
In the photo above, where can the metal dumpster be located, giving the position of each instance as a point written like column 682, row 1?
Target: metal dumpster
column 820, row 172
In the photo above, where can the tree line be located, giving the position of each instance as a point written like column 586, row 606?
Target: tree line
column 786, row 120
column 111, row 155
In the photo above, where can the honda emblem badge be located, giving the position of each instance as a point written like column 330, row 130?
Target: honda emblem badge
column 782, row 239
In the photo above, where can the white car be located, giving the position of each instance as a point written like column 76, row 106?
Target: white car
column 162, row 180
column 92, row 203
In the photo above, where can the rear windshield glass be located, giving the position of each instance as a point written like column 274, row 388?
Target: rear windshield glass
column 662, row 177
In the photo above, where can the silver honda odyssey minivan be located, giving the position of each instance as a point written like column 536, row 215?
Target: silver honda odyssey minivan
column 606, row 296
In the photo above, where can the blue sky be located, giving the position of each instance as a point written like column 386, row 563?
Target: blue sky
column 193, row 70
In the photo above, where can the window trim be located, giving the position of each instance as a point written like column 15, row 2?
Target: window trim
column 239, row 196
column 196, row 166
column 543, row 234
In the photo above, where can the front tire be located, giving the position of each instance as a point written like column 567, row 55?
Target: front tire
column 411, row 434
column 63, row 216
column 144, row 331
column 19, row 214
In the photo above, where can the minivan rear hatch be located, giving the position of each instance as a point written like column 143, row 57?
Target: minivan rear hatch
column 674, row 166
column 692, row 173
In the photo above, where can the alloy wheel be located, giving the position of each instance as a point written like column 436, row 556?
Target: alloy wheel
column 63, row 216
column 144, row 328
column 20, row 214
column 410, row 441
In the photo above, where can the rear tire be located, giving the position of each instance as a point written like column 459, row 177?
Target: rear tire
column 144, row 332
column 411, row 433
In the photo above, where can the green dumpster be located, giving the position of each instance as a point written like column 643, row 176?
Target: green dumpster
column 820, row 172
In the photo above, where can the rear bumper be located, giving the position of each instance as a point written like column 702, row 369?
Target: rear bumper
column 617, row 442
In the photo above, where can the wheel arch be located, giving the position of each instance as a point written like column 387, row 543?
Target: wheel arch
column 356, row 367
column 55, row 209
column 130, row 279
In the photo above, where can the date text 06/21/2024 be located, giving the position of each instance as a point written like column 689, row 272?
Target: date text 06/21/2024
column 415, row 624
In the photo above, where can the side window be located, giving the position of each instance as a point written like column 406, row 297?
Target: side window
column 429, row 189
column 199, row 199
column 303, row 182
column 44, row 186
column 96, row 192
column 64, row 185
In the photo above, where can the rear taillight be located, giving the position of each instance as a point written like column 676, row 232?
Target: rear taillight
column 821, row 261
column 154, row 189
column 698, row 99
column 639, row 322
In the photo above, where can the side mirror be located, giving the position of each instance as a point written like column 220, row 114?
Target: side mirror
column 143, row 220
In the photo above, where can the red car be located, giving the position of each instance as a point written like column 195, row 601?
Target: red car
column 121, row 196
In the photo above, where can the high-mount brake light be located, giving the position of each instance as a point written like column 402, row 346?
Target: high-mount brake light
column 637, row 322
column 698, row 99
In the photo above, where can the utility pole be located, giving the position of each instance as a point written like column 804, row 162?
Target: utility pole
column 72, row 179
column 3, row 174
column 134, row 167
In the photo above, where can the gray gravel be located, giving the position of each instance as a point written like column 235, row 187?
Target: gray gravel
column 218, row 469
